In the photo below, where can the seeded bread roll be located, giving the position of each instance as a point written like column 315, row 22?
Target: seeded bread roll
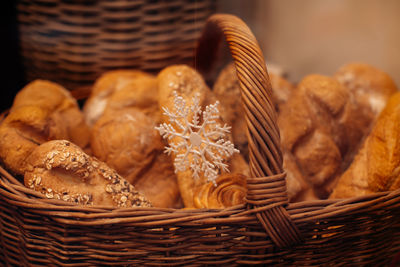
column 41, row 111
column 61, row 170
column 103, row 89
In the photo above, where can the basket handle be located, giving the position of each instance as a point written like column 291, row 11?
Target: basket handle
column 266, row 191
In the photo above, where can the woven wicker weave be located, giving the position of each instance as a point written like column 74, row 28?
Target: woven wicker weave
column 73, row 41
column 267, row 230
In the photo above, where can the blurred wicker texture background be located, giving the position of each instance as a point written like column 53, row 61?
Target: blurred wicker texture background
column 72, row 41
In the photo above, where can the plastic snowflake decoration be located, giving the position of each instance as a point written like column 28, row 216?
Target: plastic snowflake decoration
column 196, row 138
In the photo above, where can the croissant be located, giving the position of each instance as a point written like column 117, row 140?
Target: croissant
column 230, row 190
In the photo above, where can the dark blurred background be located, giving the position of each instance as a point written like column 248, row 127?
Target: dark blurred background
column 300, row 37
column 11, row 69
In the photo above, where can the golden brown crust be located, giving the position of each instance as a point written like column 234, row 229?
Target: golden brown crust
column 104, row 87
column 370, row 86
column 376, row 166
column 229, row 191
column 186, row 82
column 324, row 123
column 312, row 125
column 159, row 183
column 140, row 93
column 61, row 170
column 41, row 111
column 127, row 141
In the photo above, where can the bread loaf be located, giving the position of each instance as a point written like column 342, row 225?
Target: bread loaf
column 376, row 166
column 104, row 87
column 41, row 111
column 185, row 82
column 321, row 129
column 61, row 170
column 127, row 141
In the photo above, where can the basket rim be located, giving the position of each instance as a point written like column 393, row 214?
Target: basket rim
column 15, row 193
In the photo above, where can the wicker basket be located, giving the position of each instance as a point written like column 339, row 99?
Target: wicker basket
column 73, row 41
column 266, row 230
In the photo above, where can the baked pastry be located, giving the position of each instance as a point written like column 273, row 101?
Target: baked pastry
column 127, row 141
column 321, row 128
column 370, row 87
column 376, row 166
column 41, row 111
column 140, row 93
column 185, row 82
column 230, row 190
column 104, row 87
column 61, row 170
column 227, row 91
column 159, row 183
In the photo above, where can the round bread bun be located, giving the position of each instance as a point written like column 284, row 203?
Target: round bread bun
column 104, row 87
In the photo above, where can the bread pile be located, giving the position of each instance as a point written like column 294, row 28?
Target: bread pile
column 340, row 138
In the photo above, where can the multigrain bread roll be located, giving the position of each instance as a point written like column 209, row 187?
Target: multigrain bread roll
column 229, row 191
column 127, row 141
column 104, row 87
column 227, row 91
column 61, row 170
column 321, row 127
column 185, row 82
column 41, row 111
column 376, row 166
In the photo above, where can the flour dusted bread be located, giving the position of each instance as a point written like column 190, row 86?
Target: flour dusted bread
column 321, row 129
column 127, row 141
column 41, row 111
column 376, row 166
column 370, row 86
column 140, row 93
column 61, row 170
column 103, row 89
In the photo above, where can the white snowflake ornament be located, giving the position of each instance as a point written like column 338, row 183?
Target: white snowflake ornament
column 196, row 138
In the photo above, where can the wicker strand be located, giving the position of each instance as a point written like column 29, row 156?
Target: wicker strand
column 263, row 134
